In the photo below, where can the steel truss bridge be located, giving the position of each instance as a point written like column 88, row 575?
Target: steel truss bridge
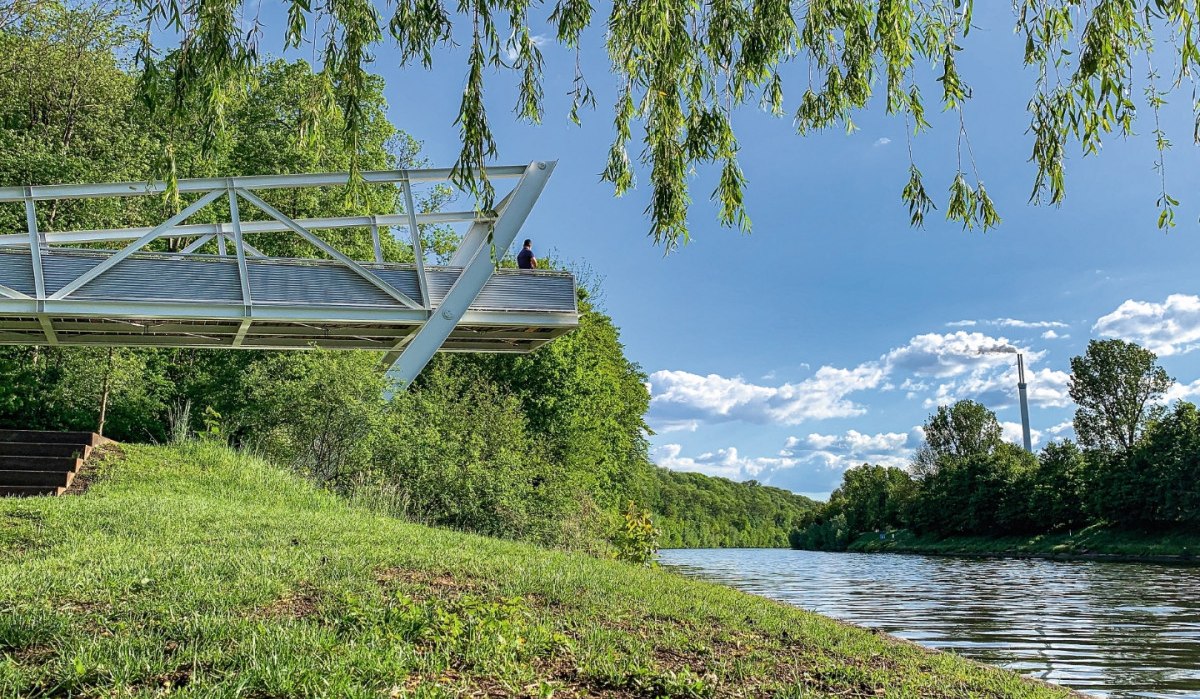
column 54, row 292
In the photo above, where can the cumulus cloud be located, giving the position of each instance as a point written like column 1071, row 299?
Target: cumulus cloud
column 960, row 365
column 682, row 395
column 882, row 141
column 939, row 368
column 851, row 448
column 1183, row 391
column 810, row 464
column 948, row 355
column 725, row 463
column 1167, row 328
column 1052, row 335
column 997, row 388
column 1012, row 432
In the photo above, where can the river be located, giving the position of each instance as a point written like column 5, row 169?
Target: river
column 1107, row 629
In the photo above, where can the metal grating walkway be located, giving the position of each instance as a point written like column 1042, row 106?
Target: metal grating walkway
column 196, row 301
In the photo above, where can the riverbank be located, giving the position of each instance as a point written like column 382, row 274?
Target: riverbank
column 204, row 572
column 1095, row 543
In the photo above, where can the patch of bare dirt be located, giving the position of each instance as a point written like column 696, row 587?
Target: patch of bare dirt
column 425, row 584
column 298, row 604
column 93, row 469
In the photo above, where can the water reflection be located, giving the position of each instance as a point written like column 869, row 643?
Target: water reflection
column 1109, row 629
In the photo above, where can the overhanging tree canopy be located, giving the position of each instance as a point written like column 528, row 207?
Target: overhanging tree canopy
column 686, row 66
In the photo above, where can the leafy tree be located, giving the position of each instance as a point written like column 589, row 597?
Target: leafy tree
column 588, row 400
column 684, row 69
column 872, row 497
column 1115, row 384
column 458, row 452
column 1157, row 484
column 957, row 431
column 694, row 510
column 318, row 411
column 1056, row 489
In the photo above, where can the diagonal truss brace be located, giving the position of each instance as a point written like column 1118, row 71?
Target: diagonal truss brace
column 411, row 354
column 328, row 249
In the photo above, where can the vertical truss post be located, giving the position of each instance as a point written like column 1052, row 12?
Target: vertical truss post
column 35, row 259
column 35, row 247
column 375, row 241
column 221, row 240
column 414, row 231
column 417, row 351
column 239, row 250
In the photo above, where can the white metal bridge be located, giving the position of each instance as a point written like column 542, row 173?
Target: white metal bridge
column 54, row 292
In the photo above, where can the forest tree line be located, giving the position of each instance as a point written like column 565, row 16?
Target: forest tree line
column 548, row 447
column 1135, row 464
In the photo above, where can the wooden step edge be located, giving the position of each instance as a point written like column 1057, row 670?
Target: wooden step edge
column 27, row 491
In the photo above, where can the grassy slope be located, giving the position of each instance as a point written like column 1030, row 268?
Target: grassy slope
column 200, row 572
column 1092, row 542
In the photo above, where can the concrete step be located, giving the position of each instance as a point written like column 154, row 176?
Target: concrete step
column 45, row 437
column 25, row 491
column 57, row 479
column 39, row 463
column 44, row 449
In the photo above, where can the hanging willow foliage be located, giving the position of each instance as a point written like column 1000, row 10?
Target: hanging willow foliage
column 685, row 66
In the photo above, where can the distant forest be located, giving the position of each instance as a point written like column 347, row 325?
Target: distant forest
column 1135, row 464
column 549, row 447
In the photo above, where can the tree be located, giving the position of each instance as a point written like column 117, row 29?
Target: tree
column 1159, row 484
column 960, row 430
column 872, row 497
column 684, row 69
column 1115, row 384
column 1056, row 489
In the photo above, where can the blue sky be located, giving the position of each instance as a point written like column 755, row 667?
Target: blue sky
column 827, row 336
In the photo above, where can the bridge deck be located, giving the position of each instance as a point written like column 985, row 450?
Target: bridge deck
column 197, row 301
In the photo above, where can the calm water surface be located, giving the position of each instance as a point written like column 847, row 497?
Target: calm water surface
column 1109, row 629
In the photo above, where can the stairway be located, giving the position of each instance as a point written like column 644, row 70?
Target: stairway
column 42, row 463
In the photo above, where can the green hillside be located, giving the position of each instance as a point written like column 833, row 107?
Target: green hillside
column 198, row 571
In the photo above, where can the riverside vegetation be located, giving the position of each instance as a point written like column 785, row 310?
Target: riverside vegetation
column 197, row 570
column 1129, row 487
column 548, row 448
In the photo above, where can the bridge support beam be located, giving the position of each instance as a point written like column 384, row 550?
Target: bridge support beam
column 409, row 357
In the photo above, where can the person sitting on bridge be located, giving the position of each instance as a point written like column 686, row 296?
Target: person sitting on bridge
column 525, row 258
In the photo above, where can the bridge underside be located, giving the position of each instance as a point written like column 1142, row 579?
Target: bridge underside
column 171, row 300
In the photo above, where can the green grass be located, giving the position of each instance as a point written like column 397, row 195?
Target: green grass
column 1095, row 541
column 197, row 571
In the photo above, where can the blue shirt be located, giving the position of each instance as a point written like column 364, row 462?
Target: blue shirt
column 525, row 258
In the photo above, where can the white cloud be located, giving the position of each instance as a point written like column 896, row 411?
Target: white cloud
column 1047, row 388
column 1183, row 391
column 681, row 395
column 941, row 356
column 851, row 448
column 1012, row 432
column 1052, row 335
column 881, row 141
column 1171, row 327
column 810, row 464
column 1063, row 430
column 952, row 367
column 668, row 426
column 725, row 463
